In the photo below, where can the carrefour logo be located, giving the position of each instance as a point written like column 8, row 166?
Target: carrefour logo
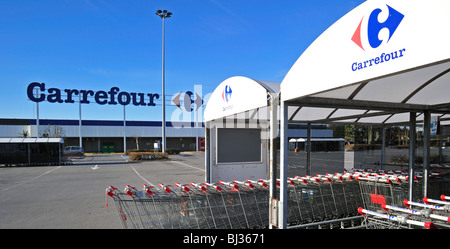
column 374, row 27
column 226, row 93
column 372, row 39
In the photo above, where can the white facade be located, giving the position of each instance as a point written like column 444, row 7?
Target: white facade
column 106, row 130
column 95, row 133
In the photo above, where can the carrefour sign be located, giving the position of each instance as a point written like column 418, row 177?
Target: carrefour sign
column 112, row 97
column 372, row 39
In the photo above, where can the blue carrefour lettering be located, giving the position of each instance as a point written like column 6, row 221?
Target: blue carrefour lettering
column 70, row 92
column 124, row 98
column 84, row 94
column 384, row 57
column 113, row 92
column 30, row 89
column 53, row 95
column 99, row 96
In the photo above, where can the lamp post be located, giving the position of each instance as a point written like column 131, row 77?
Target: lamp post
column 163, row 14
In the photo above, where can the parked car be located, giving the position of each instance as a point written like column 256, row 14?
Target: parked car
column 73, row 151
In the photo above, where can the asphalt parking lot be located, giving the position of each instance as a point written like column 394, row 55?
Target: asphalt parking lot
column 73, row 196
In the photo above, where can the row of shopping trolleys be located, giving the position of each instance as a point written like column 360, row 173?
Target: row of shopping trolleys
column 235, row 204
column 389, row 177
column 359, row 176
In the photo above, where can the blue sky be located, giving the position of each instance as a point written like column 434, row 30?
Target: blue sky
column 98, row 44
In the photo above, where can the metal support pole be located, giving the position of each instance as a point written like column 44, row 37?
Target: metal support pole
column 412, row 152
column 29, row 154
column 308, row 150
column 282, row 217
column 207, row 154
column 441, row 144
column 273, row 160
column 426, row 150
column 60, row 153
column 37, row 114
column 163, row 147
column 383, row 146
column 79, row 121
column 124, row 131
column 163, row 14
column 195, row 128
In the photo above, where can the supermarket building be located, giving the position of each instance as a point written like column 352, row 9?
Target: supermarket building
column 109, row 135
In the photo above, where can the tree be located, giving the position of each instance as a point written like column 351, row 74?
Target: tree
column 349, row 133
column 54, row 131
column 136, row 138
column 24, row 134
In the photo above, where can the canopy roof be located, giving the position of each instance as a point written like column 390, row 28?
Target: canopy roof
column 30, row 140
column 238, row 94
column 374, row 65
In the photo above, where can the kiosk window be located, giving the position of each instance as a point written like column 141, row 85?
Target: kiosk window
column 238, row 145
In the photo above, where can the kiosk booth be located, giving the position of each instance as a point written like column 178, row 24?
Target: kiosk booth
column 237, row 130
column 383, row 62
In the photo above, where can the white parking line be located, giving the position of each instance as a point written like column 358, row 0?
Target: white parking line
column 187, row 165
column 143, row 178
column 151, row 184
column 29, row 181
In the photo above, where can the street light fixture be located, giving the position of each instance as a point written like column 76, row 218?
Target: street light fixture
column 163, row 14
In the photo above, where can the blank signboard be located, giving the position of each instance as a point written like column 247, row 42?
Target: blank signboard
column 238, row 145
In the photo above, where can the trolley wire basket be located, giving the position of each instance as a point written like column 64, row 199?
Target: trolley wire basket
column 414, row 215
column 385, row 196
column 323, row 197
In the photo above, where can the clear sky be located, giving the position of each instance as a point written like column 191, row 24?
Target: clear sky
column 99, row 44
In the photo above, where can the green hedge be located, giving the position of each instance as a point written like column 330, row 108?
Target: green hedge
column 138, row 156
column 170, row 151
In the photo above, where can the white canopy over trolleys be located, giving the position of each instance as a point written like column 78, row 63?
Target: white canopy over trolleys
column 383, row 62
column 237, row 130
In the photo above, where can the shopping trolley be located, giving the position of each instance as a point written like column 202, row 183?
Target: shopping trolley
column 385, row 195
column 249, row 204
column 323, row 197
column 380, row 220
column 416, row 214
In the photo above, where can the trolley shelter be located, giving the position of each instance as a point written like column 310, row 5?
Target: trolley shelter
column 237, row 130
column 31, row 151
column 384, row 62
